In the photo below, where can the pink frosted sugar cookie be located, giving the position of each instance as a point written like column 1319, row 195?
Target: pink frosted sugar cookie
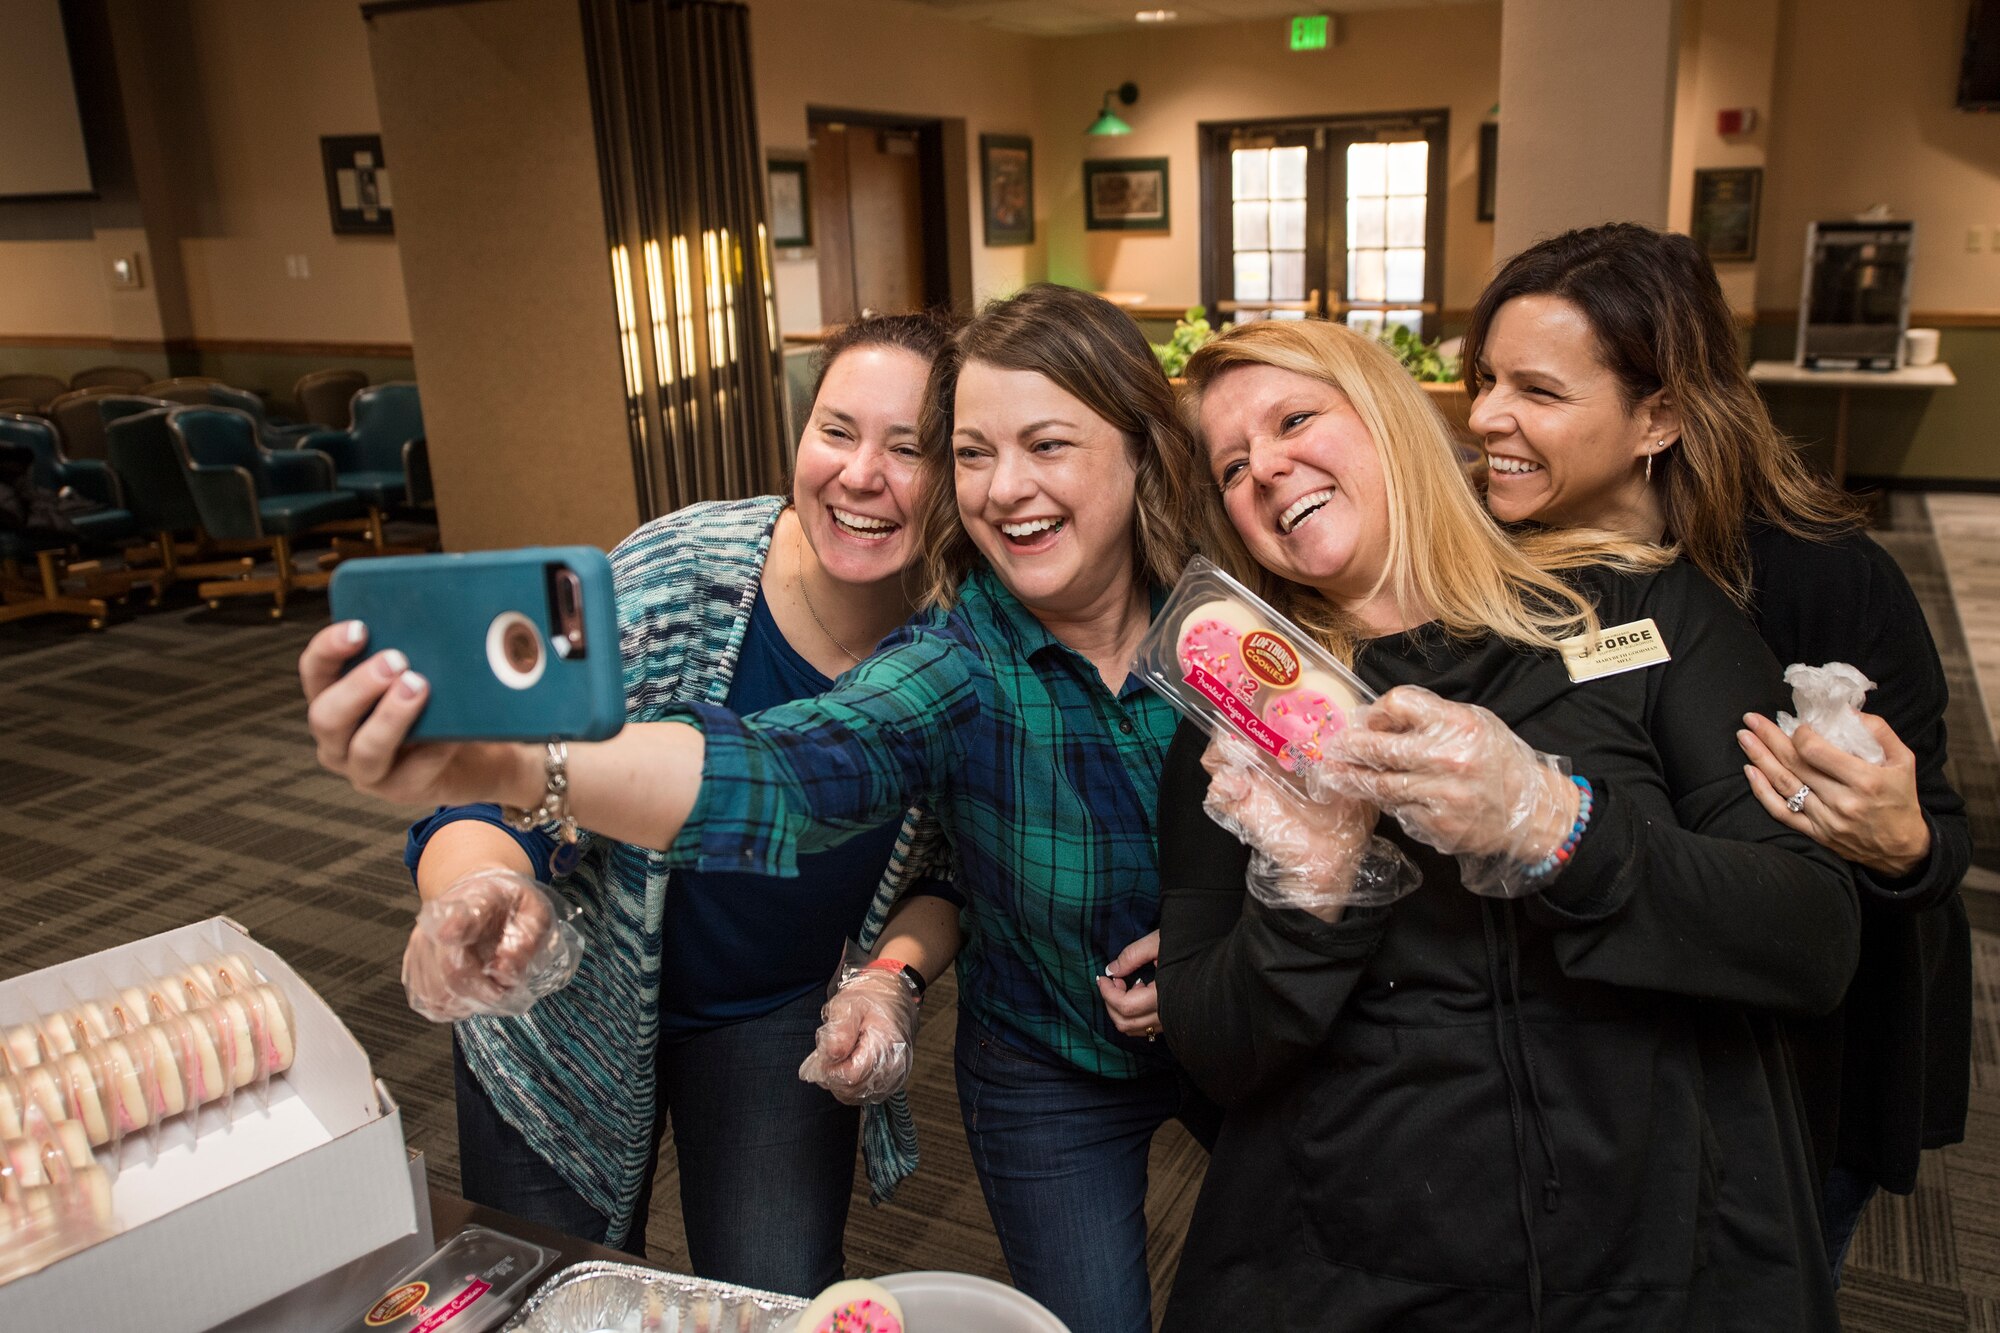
column 854, row 1306
column 1312, row 709
column 1212, row 639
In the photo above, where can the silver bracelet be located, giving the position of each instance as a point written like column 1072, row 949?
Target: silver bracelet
column 554, row 808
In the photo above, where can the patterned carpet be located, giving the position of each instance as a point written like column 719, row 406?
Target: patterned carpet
column 158, row 773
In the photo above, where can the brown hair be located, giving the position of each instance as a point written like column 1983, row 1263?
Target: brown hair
column 1092, row 351
column 924, row 335
column 1662, row 324
column 1445, row 553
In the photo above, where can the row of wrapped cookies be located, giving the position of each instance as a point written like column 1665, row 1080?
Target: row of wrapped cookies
column 117, row 1067
column 54, row 1197
column 65, row 1030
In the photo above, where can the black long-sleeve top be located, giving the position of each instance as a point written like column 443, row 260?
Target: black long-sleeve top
column 1450, row 1110
column 1887, row 1075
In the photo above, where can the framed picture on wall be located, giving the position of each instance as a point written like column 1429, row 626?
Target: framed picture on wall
column 1725, row 212
column 1007, row 188
column 1489, row 168
column 1125, row 194
column 791, row 201
column 357, row 184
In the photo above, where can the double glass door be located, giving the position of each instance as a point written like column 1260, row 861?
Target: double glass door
column 1339, row 219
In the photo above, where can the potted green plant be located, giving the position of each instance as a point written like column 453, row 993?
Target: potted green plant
column 1190, row 332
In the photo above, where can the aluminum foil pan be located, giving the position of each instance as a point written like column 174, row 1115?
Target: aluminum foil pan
column 625, row 1298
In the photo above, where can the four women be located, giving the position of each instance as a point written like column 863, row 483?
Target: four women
column 1547, row 1088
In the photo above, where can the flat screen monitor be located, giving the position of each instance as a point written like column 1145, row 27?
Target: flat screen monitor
column 41, row 127
column 1979, row 67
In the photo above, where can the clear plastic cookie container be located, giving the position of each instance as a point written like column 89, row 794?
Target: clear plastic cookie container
column 1228, row 662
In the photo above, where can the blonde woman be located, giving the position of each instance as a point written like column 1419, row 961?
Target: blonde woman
column 1545, row 1090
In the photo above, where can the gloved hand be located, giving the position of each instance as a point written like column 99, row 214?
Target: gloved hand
column 866, row 1042
column 1320, row 855
column 492, row 943
column 1457, row 778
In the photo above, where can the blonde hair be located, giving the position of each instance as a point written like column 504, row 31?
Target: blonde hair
column 1446, row 553
column 1092, row 351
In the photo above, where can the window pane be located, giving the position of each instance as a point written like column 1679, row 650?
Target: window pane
column 1405, row 276
column 1287, row 314
column 1368, row 321
column 1364, row 275
column 1288, row 225
column 1253, row 275
column 1406, row 221
column 1288, row 173
column 1253, row 226
column 1364, row 223
column 1288, row 275
column 1252, row 173
column 1367, row 169
column 1409, row 167
column 1413, row 320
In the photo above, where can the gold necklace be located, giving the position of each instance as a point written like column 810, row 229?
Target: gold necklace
column 805, row 595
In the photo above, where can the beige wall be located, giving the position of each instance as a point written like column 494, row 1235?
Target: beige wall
column 1727, row 51
column 1394, row 60
column 891, row 57
column 488, row 105
column 264, row 82
column 1586, row 116
column 1862, row 114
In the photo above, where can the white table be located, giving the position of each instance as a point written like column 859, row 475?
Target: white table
column 1934, row 376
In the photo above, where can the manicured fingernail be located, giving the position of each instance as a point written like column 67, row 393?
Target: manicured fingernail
column 392, row 664
column 355, row 632
column 1744, row 735
column 411, row 685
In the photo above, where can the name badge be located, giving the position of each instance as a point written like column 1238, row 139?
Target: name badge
column 1615, row 650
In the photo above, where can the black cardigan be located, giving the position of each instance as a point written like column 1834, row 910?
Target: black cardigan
column 1447, row 1112
column 1888, row 1075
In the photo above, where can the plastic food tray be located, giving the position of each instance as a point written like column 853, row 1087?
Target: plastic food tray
column 599, row 1297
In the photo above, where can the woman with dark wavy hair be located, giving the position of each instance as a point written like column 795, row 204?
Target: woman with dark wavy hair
column 1609, row 392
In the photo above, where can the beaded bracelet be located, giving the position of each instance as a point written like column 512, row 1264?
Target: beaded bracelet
column 1547, row 867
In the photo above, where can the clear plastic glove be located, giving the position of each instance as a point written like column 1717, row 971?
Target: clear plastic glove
column 866, row 1042
column 492, row 943
column 1320, row 856
column 1829, row 701
column 1458, row 779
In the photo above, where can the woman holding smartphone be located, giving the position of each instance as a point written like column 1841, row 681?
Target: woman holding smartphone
column 698, row 992
column 1056, row 478
column 1608, row 394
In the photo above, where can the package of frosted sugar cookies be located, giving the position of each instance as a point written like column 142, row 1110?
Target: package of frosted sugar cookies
column 1226, row 660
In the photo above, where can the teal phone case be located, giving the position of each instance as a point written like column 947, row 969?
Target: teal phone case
column 464, row 621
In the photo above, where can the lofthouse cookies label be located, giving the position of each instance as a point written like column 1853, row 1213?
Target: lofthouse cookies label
column 1224, row 658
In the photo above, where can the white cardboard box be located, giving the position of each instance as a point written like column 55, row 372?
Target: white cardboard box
column 220, row 1222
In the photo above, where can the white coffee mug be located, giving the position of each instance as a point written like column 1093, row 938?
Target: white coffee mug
column 1920, row 347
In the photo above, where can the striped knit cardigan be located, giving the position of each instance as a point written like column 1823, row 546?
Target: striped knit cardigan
column 576, row 1074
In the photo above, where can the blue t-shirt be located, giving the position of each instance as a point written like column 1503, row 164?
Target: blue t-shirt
column 733, row 946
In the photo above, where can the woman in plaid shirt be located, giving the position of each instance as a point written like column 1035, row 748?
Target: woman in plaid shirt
column 1056, row 483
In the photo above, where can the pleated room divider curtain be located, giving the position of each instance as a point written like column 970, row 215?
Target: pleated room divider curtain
column 690, row 254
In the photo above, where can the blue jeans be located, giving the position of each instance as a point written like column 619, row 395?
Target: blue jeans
column 766, row 1161
column 1847, row 1194
column 1061, row 1157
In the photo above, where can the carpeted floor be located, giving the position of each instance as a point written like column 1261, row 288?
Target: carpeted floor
column 158, row 773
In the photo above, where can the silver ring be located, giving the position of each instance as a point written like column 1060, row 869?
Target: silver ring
column 1798, row 801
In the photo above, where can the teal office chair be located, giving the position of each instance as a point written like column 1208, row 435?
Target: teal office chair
column 56, row 566
column 377, row 456
column 155, row 487
column 245, row 492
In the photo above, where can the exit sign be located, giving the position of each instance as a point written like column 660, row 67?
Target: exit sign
column 1309, row 32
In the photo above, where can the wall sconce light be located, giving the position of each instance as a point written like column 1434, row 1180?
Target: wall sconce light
column 1107, row 121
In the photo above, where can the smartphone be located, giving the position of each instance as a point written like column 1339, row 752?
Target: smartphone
column 517, row 645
